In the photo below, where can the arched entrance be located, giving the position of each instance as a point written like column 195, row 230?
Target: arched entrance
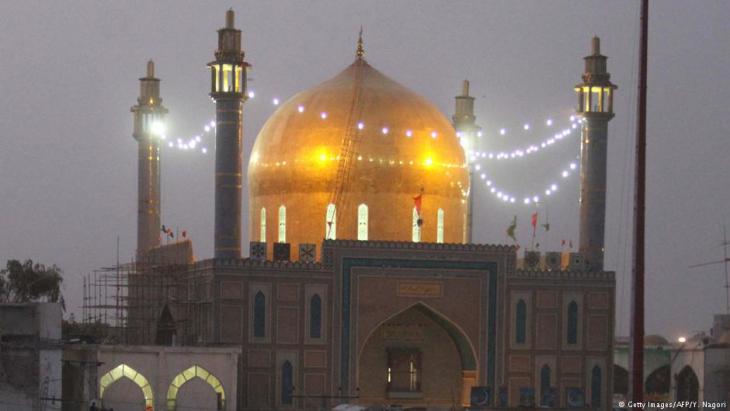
column 201, row 373
column 166, row 331
column 125, row 371
column 620, row 380
column 688, row 386
column 657, row 384
column 416, row 358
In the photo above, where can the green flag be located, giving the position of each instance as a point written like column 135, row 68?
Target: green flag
column 511, row 229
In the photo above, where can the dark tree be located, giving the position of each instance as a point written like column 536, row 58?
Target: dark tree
column 28, row 282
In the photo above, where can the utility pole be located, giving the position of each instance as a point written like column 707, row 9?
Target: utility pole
column 636, row 376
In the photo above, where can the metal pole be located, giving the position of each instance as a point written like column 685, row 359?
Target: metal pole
column 727, row 280
column 637, row 334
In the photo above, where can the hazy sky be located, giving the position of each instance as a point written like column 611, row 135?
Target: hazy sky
column 69, row 70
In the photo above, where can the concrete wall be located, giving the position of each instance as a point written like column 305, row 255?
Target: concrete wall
column 30, row 356
column 717, row 374
column 160, row 365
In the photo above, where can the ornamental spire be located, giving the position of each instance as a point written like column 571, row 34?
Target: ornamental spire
column 360, row 49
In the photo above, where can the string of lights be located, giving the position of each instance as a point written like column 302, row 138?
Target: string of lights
column 192, row 143
column 197, row 142
column 535, row 198
column 518, row 153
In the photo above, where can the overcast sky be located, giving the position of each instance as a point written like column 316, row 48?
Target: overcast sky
column 69, row 70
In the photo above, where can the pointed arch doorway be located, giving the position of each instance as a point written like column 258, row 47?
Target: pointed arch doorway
column 417, row 357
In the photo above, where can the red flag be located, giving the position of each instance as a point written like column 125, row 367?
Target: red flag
column 184, row 233
column 417, row 203
column 534, row 224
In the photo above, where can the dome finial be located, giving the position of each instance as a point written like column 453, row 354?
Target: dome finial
column 360, row 49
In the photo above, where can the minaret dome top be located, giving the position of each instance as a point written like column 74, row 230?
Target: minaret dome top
column 596, row 46
column 230, row 19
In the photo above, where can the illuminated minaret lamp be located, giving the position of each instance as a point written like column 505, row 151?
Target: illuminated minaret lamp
column 149, row 129
column 468, row 131
column 228, row 90
column 595, row 106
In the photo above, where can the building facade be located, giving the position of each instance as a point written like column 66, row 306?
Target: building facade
column 361, row 286
column 397, row 322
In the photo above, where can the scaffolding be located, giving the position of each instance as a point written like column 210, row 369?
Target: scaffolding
column 129, row 299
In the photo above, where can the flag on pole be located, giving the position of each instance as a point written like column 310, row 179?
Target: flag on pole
column 511, row 229
column 417, row 201
column 534, row 223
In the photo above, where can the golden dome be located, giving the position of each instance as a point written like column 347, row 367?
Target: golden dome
column 358, row 138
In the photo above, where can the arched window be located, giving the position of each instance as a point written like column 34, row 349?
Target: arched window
column 330, row 223
column 287, row 383
column 440, row 226
column 596, row 384
column 315, row 317
column 189, row 374
column 282, row 224
column 572, row 329
column 521, row 322
column 259, row 315
column 262, row 235
column 362, row 222
column 545, row 392
column 416, row 226
column 125, row 371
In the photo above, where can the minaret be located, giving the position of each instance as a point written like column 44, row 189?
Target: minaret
column 148, row 131
column 228, row 90
column 466, row 128
column 595, row 105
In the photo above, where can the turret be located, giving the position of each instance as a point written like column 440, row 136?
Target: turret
column 228, row 90
column 595, row 106
column 149, row 129
column 464, row 122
